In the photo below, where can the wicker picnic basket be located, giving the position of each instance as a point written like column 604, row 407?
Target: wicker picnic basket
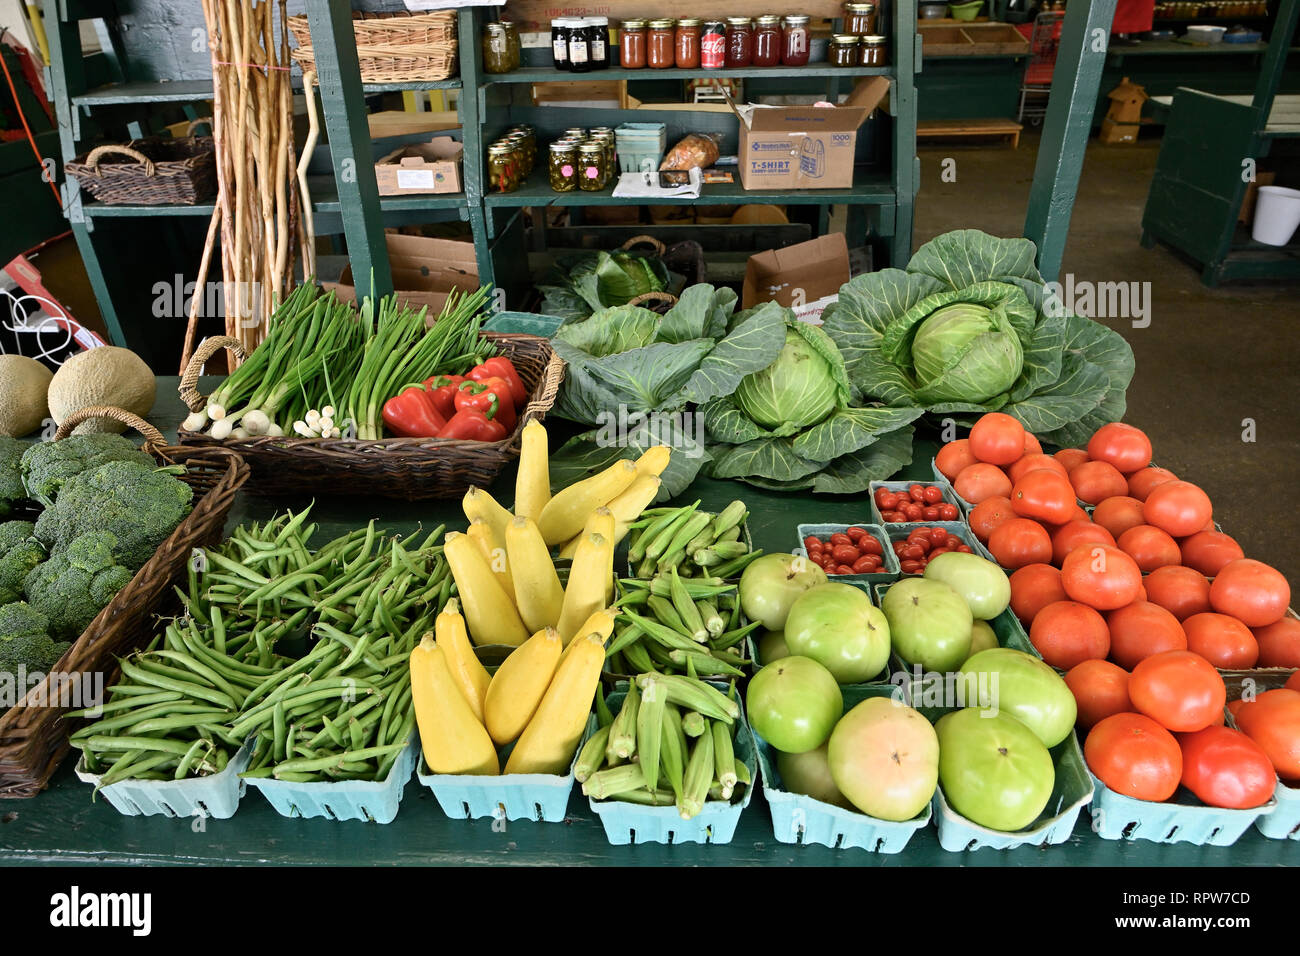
column 150, row 172
column 33, row 737
column 410, row 469
column 393, row 47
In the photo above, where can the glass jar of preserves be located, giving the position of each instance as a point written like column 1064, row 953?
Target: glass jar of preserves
column 576, row 132
column 713, row 45
column 873, row 51
column 579, row 46
column 563, row 167
column 598, row 38
column 769, row 41
column 860, row 19
column 504, row 174
column 560, row 43
column 524, row 151
column 606, row 141
column 592, row 168
column 844, row 50
column 688, row 44
column 514, row 47
column 496, row 49
column 797, row 41
column 661, row 44
column 740, row 42
column 632, row 45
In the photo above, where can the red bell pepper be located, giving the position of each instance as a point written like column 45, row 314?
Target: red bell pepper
column 443, row 389
column 492, row 398
column 501, row 367
column 412, row 414
column 472, row 424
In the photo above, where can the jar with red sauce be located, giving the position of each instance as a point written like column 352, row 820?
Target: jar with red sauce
column 798, row 48
column 661, row 44
column 688, row 44
column 632, row 45
column 740, row 42
column 769, row 41
column 860, row 19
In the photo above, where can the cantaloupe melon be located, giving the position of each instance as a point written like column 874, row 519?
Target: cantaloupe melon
column 104, row 376
column 23, row 386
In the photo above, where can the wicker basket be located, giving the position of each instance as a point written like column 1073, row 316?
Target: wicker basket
column 150, row 172
column 410, row 469
column 33, row 739
column 393, row 47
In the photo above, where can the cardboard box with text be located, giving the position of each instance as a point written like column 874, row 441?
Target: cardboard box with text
column 424, row 271
column 806, row 277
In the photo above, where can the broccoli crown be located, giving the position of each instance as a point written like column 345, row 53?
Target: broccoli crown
column 20, row 619
column 19, row 553
column 24, row 641
column 75, row 584
column 47, row 466
column 11, row 476
column 138, row 504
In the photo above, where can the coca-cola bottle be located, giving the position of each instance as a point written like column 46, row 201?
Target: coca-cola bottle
column 713, row 45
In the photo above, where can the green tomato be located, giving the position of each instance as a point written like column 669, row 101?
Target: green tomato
column 1021, row 685
column 993, row 770
column 929, row 622
column 793, row 704
column 982, row 583
column 884, row 756
column 772, row 647
column 837, row 626
column 982, row 638
column 810, row 774
column 772, row 583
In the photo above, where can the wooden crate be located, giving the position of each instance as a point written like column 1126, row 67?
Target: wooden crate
column 971, row 39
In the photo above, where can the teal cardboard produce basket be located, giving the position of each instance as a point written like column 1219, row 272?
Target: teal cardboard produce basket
column 215, row 796
column 371, row 801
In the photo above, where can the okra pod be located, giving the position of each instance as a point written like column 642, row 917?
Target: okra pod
column 686, row 609
column 592, row 755
column 694, row 723
column 672, row 750
column 613, row 782
column 724, row 758
column 649, row 730
column 622, row 733
column 699, row 775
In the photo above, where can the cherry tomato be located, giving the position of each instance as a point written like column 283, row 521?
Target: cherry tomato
column 840, row 538
column 1150, row 547
column 997, row 439
column 882, row 494
column 910, row 566
column 1209, row 551
column 1251, row 591
column 938, row 536
column 855, row 533
column 948, row 511
column 936, row 552
column 1179, row 689
column 845, row 554
column 965, row 549
column 1178, row 507
column 1140, row 630
column 1134, row 756
column 866, row 564
column 1179, row 590
column 1067, row 633
column 1095, row 481
column 813, row 543
column 1222, row 640
column 1101, row 577
column 952, row 542
column 1019, row 542
column 913, row 552
column 979, row 481
column 912, row 510
column 888, row 501
column 895, row 517
column 953, row 457
column 1119, row 513
column 1125, row 447
column 929, row 513
column 933, row 495
column 898, row 546
column 916, row 493
column 1100, row 689
column 1142, row 481
column 868, row 544
column 844, row 569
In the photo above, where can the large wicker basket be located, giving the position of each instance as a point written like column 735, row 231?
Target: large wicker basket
column 411, row 469
column 393, row 47
column 33, row 735
column 150, row 172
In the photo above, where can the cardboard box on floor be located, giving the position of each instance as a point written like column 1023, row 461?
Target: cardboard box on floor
column 805, row 147
column 806, row 277
column 421, row 168
column 425, row 271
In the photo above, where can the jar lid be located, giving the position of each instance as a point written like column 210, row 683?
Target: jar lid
column 739, row 21
column 860, row 7
column 495, row 28
column 769, row 20
column 501, row 149
column 874, row 40
column 845, row 39
column 664, row 24
column 598, row 21
column 634, row 24
column 507, row 24
column 563, row 147
column 798, row 19
column 689, row 22
column 591, row 148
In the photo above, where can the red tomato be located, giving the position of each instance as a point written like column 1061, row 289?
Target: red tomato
column 1141, row 630
column 1032, row 445
column 1272, row 720
column 916, row 493
column 1225, row 768
column 1044, row 496
column 1071, row 458
column 1134, row 756
column 1279, row 643
column 1125, row 447
column 1293, row 682
column 845, row 554
column 840, row 538
column 1101, row 577
column 1118, row 514
column 869, row 544
column 1179, row 689
column 979, row 481
column 1035, row 462
column 1222, row 640
column 933, row 495
column 948, row 511
column 1100, row 689
column 937, row 535
column 1142, row 481
column 1181, row 591
column 888, row 501
column 953, row 457
column 1067, row 633
column 1178, row 507
column 997, row 439
column 844, row 569
column 855, row 533
column 1074, row 533
column 1033, row 587
column 913, row 511
column 1018, row 542
column 1251, row 591
column 1209, row 551
column 986, row 516
column 1095, row 481
column 1150, row 547
column 813, row 543
column 867, row 564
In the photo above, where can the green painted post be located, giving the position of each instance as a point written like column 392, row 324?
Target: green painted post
column 903, row 106
column 1274, row 65
column 1080, row 59
column 471, row 118
column 338, row 71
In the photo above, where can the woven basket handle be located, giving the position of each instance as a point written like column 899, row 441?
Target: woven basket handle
column 152, row 436
column 651, row 241
column 201, row 121
column 189, row 386
column 93, row 159
column 655, row 297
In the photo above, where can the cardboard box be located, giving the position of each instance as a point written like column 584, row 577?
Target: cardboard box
column 421, row 168
column 805, row 147
column 425, row 271
column 806, row 277
column 400, row 123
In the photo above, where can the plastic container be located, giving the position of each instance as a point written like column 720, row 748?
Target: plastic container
column 899, row 532
column 372, row 801
column 1277, row 215
column 1204, row 33
column 1243, row 36
column 1181, row 820
column 523, row 323
column 891, row 570
column 965, row 11
column 215, row 796
column 801, row 819
column 640, row 146
column 627, row 823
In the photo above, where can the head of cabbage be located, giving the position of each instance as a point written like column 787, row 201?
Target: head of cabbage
column 966, row 352
column 801, row 388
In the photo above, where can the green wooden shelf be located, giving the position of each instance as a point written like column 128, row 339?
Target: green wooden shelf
column 173, row 91
column 325, row 199
column 539, row 74
column 411, row 86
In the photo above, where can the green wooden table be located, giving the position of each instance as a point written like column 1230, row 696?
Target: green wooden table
column 63, row 826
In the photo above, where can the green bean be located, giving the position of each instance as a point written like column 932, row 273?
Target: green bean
column 203, row 670
column 113, row 744
column 235, row 569
column 169, row 683
column 187, row 761
column 162, row 725
column 155, row 697
column 136, row 716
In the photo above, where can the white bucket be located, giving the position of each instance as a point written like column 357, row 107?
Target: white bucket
column 1277, row 215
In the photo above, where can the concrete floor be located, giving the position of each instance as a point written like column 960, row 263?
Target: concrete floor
column 1211, row 361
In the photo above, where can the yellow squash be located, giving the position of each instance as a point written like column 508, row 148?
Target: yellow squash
column 551, row 738
column 494, row 553
column 602, row 523
column 519, row 684
column 533, row 483
column 489, row 611
column 477, row 503
column 538, row 594
column 602, row 623
column 452, row 738
column 470, row 676
column 566, row 514
column 628, row 506
column 655, row 461
column 585, row 593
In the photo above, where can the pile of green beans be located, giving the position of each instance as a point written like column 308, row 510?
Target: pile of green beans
column 694, row 543
column 677, row 625
column 214, row 678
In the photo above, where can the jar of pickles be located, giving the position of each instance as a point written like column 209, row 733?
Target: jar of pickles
column 661, row 44
column 504, row 173
column 593, row 170
column 860, row 19
column 844, row 50
column 525, row 151
column 873, row 51
column 563, row 167
column 499, row 54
